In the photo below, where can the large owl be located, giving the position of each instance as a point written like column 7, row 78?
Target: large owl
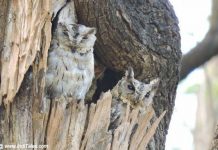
column 70, row 61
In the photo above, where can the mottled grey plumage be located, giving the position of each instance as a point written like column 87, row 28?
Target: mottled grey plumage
column 71, row 61
column 133, row 92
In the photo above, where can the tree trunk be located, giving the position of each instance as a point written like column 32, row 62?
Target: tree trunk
column 206, row 114
column 214, row 144
column 141, row 34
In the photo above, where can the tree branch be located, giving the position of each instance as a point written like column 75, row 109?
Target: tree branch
column 204, row 50
column 200, row 54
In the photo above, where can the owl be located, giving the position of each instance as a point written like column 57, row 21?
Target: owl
column 133, row 92
column 70, row 61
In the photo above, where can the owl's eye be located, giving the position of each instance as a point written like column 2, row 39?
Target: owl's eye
column 77, row 34
column 147, row 94
column 65, row 33
column 130, row 87
column 85, row 38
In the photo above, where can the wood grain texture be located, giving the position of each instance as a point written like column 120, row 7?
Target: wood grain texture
column 25, row 22
column 80, row 127
column 149, row 42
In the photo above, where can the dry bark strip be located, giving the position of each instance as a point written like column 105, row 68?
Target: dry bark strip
column 27, row 40
column 24, row 34
column 78, row 127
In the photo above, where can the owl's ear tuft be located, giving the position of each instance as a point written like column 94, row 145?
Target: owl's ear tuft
column 154, row 83
column 75, row 27
column 129, row 73
column 62, row 25
column 92, row 31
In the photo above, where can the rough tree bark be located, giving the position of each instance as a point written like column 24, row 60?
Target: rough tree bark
column 141, row 34
column 214, row 144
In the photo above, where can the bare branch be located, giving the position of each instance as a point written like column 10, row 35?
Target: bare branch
column 200, row 54
column 205, row 50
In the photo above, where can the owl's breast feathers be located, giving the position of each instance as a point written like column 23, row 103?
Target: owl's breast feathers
column 69, row 73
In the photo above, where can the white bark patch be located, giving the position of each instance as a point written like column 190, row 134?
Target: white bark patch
column 28, row 23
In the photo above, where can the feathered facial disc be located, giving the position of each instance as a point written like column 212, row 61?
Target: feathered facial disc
column 136, row 91
column 79, row 37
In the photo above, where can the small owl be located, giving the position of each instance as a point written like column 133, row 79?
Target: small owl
column 133, row 92
column 70, row 61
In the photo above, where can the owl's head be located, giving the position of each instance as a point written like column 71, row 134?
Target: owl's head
column 135, row 92
column 78, row 37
